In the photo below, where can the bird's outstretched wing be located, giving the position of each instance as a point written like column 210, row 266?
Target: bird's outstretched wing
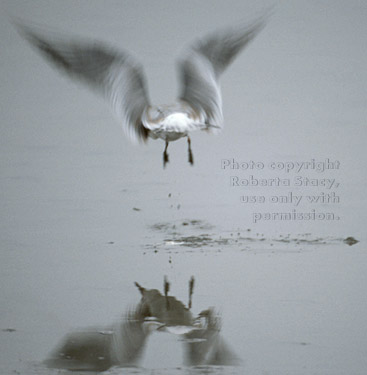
column 114, row 74
column 202, row 66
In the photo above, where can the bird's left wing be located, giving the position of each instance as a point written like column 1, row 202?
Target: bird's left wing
column 116, row 75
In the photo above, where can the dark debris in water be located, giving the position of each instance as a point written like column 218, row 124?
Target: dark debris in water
column 9, row 330
column 350, row 241
column 315, row 241
column 169, row 227
column 161, row 227
column 197, row 241
column 198, row 234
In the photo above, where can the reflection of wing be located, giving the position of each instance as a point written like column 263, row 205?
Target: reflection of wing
column 206, row 60
column 129, row 339
column 222, row 355
column 87, row 350
column 115, row 74
column 98, row 349
column 206, row 347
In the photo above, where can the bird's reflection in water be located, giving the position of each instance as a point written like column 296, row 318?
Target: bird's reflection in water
column 123, row 344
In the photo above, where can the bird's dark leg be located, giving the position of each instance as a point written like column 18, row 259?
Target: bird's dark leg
column 191, row 158
column 165, row 156
column 166, row 290
column 191, row 290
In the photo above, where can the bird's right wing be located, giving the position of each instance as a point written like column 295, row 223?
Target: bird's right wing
column 114, row 74
column 201, row 68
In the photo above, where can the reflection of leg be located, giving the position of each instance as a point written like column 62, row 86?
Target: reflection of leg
column 191, row 158
column 165, row 155
column 129, row 338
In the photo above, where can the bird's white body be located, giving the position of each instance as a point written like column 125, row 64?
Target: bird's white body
column 171, row 122
column 172, row 127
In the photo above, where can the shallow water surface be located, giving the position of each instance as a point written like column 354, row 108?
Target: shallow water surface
column 85, row 214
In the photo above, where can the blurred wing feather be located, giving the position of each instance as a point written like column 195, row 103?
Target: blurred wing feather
column 205, row 62
column 114, row 74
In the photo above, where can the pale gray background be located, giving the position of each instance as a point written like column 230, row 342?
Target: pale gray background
column 70, row 180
